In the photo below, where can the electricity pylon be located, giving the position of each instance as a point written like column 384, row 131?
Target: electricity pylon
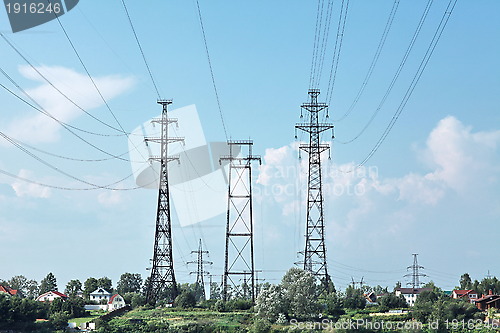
column 415, row 274
column 200, row 272
column 315, row 249
column 162, row 279
column 239, row 257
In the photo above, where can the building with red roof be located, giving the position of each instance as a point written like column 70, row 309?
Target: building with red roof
column 470, row 295
column 116, row 302
column 50, row 296
column 488, row 301
column 7, row 290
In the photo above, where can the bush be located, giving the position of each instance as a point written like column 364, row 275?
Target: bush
column 260, row 326
column 59, row 320
column 220, row 306
column 185, row 300
column 238, row 304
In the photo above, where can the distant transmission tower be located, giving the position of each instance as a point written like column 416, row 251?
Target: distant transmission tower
column 315, row 249
column 162, row 280
column 200, row 272
column 415, row 274
column 239, row 257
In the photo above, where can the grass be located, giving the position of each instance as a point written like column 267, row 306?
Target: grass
column 93, row 314
column 226, row 321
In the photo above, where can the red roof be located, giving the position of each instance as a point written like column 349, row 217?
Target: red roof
column 461, row 293
column 112, row 298
column 53, row 292
column 5, row 289
column 60, row 294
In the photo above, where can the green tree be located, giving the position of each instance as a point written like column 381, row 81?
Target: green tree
column 335, row 305
column 465, row 282
column 296, row 296
column 73, row 288
column 49, row 283
column 392, row 301
column 89, row 286
column 354, row 298
column 129, row 283
column 185, row 300
column 301, row 293
column 271, row 302
column 26, row 288
column 105, row 283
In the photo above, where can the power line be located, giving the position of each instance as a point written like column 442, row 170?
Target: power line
column 337, row 49
column 60, row 92
column 140, row 48
column 211, row 69
column 87, row 71
column 396, row 75
column 416, row 78
column 45, row 112
column 376, row 56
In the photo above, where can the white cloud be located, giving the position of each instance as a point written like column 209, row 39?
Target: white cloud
column 36, row 127
column 458, row 160
column 25, row 189
column 110, row 198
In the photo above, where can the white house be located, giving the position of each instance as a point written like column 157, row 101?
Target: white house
column 116, row 302
column 410, row 294
column 100, row 294
column 50, row 296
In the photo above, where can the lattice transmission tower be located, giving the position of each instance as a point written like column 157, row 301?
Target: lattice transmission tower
column 162, row 282
column 415, row 274
column 239, row 256
column 315, row 249
column 200, row 272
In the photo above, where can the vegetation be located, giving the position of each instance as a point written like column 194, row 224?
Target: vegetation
column 296, row 304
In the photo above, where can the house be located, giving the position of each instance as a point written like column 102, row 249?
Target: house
column 469, row 295
column 116, row 302
column 371, row 298
column 100, row 294
column 50, row 296
column 7, row 290
column 410, row 294
column 488, row 301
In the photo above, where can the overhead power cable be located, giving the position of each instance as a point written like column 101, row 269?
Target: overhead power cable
column 337, row 49
column 211, row 69
column 396, row 75
column 376, row 56
column 423, row 64
column 140, row 48
column 51, row 166
column 62, row 93
column 87, row 72
column 43, row 111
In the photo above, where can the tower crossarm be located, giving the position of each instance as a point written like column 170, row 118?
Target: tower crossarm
column 309, row 128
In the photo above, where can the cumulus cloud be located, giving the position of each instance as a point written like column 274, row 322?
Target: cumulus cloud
column 35, row 127
column 25, row 189
column 110, row 198
column 456, row 157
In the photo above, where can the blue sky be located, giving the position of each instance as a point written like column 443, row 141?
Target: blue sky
column 431, row 188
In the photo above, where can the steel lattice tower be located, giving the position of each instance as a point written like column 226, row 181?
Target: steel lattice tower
column 162, row 280
column 315, row 249
column 415, row 274
column 239, row 256
column 200, row 272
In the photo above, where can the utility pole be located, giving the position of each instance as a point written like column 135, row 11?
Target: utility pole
column 162, row 278
column 315, row 249
column 415, row 275
column 239, row 255
column 200, row 272
column 357, row 282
